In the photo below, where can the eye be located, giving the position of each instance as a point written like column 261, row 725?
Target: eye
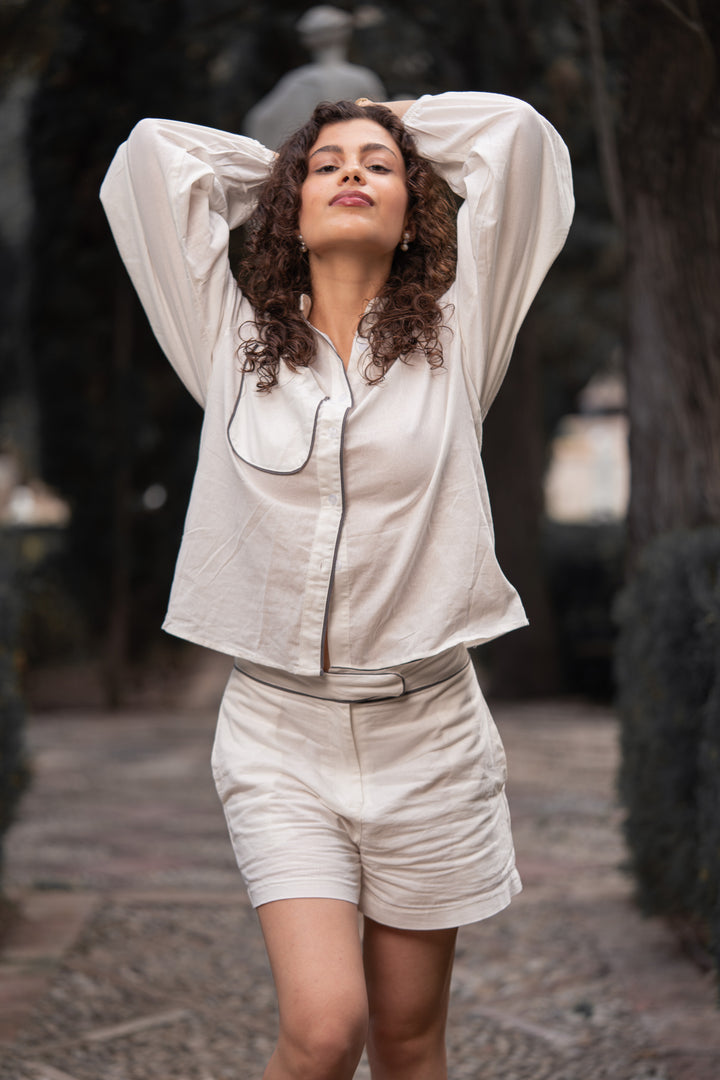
column 378, row 168
column 326, row 168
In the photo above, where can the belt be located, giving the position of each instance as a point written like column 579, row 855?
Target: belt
column 347, row 685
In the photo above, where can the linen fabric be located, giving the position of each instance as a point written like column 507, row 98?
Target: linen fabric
column 395, row 804
column 331, row 510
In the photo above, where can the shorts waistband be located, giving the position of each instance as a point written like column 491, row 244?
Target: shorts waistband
column 348, row 685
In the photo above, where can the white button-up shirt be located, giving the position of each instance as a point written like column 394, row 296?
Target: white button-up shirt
column 332, row 511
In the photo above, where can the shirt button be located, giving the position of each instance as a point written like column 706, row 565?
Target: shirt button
column 332, row 499
column 334, row 432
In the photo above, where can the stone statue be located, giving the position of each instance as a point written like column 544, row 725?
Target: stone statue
column 325, row 31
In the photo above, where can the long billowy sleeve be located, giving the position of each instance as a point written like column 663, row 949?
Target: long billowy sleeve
column 172, row 194
column 512, row 170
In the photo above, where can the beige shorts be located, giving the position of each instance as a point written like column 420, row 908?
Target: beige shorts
column 384, row 789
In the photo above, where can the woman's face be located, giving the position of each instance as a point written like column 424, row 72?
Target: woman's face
column 355, row 195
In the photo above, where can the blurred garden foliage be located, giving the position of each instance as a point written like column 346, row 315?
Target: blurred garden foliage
column 668, row 667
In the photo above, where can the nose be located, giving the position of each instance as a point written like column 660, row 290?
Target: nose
column 353, row 173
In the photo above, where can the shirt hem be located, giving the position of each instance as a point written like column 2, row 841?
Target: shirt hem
column 198, row 637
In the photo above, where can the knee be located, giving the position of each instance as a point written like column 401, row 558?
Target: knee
column 405, row 1050
column 328, row 1043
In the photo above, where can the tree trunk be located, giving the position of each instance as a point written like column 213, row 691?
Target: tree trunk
column 671, row 165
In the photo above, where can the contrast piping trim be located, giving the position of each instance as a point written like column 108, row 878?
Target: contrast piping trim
column 326, row 616
column 357, row 701
column 261, row 468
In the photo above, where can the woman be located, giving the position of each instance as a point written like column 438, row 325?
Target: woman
column 339, row 541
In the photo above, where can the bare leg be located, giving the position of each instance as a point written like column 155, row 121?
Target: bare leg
column 316, row 960
column 408, row 983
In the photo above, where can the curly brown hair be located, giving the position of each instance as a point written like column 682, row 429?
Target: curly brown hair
column 275, row 272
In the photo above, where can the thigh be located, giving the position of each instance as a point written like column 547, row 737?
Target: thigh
column 315, row 954
column 407, row 974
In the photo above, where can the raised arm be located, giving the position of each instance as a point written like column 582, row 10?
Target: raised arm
column 512, row 170
column 172, row 194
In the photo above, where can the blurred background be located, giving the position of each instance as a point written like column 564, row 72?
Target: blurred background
column 602, row 450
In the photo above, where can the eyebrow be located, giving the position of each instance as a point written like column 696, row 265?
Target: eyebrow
column 333, row 149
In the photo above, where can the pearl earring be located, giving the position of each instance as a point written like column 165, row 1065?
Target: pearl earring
column 301, row 242
column 405, row 239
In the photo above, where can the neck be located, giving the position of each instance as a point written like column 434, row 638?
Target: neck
column 341, row 290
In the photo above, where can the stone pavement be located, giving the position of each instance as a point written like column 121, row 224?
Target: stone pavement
column 135, row 955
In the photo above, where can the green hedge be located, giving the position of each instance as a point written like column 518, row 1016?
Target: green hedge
column 668, row 679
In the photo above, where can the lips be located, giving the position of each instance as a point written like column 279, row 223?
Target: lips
column 351, row 198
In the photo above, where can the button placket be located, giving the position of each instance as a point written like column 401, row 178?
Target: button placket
column 328, row 462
